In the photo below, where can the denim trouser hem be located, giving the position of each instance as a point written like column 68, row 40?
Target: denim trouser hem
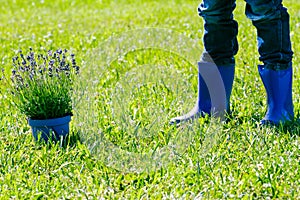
column 218, row 62
column 269, row 17
column 278, row 66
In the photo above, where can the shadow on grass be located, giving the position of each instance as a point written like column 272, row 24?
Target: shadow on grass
column 71, row 140
column 292, row 127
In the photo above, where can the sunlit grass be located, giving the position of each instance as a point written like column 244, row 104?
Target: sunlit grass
column 243, row 160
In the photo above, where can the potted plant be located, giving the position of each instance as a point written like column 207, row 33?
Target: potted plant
column 41, row 85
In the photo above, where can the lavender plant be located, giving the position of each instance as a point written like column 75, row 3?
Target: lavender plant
column 42, row 84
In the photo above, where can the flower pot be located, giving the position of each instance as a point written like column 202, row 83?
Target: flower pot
column 52, row 129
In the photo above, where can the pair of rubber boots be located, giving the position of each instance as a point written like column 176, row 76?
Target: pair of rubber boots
column 215, row 86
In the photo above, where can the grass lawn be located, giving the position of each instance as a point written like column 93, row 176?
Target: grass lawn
column 138, row 62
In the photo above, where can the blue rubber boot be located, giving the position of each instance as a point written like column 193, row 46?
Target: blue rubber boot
column 278, row 85
column 214, row 90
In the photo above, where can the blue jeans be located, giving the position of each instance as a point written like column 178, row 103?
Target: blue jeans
column 269, row 17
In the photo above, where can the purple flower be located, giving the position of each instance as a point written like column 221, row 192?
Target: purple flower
column 62, row 63
column 51, row 62
column 30, row 67
column 21, row 69
column 73, row 62
column 67, row 73
column 31, row 76
column 49, row 53
column 59, row 51
column 77, row 69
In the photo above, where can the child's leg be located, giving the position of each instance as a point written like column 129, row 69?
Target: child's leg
column 220, row 31
column 216, row 70
column 272, row 22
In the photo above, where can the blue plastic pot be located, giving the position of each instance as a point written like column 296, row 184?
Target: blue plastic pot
column 50, row 128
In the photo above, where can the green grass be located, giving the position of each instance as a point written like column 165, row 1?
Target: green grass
column 211, row 160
